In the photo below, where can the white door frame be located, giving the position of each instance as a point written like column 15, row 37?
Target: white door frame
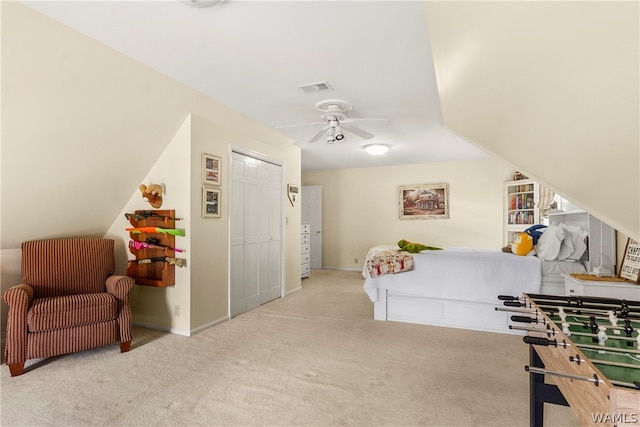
column 259, row 156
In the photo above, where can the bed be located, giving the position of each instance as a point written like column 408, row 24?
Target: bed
column 458, row 287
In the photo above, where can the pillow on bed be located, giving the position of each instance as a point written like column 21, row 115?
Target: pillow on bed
column 549, row 243
column 573, row 245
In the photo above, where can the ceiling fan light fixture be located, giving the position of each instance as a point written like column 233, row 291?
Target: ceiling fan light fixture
column 376, row 149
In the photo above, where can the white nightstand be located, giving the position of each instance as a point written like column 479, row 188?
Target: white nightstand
column 620, row 290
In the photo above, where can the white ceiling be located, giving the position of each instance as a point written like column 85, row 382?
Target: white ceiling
column 252, row 55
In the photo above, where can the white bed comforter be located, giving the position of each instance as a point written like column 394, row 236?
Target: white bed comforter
column 461, row 274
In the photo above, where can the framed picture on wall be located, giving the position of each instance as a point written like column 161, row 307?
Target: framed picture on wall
column 630, row 268
column 210, row 202
column 211, row 166
column 424, row 201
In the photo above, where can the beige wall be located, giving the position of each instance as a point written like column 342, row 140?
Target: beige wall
column 83, row 126
column 361, row 208
column 550, row 86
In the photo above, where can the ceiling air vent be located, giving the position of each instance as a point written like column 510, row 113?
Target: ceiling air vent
column 315, row 87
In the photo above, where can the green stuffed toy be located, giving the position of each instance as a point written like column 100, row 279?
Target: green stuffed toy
column 414, row 248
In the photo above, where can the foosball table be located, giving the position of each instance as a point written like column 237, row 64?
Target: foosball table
column 591, row 346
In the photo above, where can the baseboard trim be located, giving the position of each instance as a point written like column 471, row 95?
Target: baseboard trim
column 293, row 290
column 209, row 325
column 176, row 331
column 342, row 268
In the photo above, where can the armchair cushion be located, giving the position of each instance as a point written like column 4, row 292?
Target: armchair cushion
column 67, row 266
column 68, row 311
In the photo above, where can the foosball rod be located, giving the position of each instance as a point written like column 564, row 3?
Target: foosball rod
column 634, row 307
column 536, row 313
column 586, row 325
column 549, row 332
column 597, row 315
column 575, row 302
column 532, row 311
column 553, row 308
column 545, row 342
column 611, row 337
column 599, row 312
column 552, row 332
column 596, row 301
column 594, row 379
column 622, row 328
column 577, row 358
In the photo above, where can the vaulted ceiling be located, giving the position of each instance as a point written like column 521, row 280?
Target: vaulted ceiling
column 550, row 87
column 253, row 55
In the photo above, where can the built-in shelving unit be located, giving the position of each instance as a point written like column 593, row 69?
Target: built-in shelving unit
column 521, row 207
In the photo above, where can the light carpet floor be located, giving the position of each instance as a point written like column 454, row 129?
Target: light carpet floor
column 313, row 358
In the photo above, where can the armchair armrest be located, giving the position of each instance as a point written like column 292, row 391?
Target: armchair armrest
column 17, row 294
column 120, row 286
column 18, row 298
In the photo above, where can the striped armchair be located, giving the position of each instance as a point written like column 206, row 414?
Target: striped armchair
column 69, row 301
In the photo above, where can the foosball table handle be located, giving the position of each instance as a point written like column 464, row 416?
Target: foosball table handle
column 524, row 319
column 546, row 342
column 513, row 304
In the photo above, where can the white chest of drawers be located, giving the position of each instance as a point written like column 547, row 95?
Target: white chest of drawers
column 305, row 242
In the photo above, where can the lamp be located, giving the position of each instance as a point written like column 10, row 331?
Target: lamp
column 376, row 149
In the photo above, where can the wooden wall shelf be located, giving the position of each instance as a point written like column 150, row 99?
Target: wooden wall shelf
column 159, row 273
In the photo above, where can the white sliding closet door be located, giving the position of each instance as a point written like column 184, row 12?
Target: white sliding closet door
column 256, row 232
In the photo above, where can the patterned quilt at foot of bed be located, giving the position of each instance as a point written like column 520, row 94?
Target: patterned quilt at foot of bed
column 389, row 262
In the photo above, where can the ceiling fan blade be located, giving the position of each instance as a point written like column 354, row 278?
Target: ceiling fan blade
column 318, row 135
column 348, row 120
column 299, row 124
column 357, row 131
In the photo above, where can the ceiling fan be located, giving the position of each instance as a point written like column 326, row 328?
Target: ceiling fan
column 335, row 120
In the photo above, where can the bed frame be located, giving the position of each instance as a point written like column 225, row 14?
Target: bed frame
column 477, row 316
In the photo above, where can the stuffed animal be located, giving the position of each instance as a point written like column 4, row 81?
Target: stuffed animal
column 414, row 248
column 152, row 194
column 522, row 244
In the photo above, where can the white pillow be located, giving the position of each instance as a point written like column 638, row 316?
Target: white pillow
column 549, row 243
column 573, row 244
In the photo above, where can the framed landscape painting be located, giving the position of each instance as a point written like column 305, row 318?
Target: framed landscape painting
column 424, row 201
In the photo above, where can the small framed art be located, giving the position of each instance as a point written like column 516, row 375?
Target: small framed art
column 211, row 166
column 210, row 202
column 424, row 201
column 630, row 268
